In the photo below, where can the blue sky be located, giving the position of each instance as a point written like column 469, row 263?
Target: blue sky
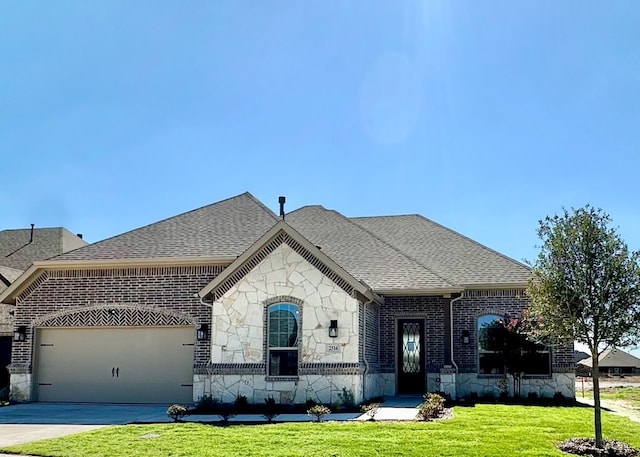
column 483, row 116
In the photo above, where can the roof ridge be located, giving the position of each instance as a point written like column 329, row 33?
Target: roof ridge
column 260, row 204
column 451, row 283
column 475, row 242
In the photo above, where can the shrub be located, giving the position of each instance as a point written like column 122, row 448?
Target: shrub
column 347, row 398
column 319, row 411
column 370, row 409
column 241, row 403
column 176, row 412
column 271, row 410
column 432, row 407
column 310, row 403
column 559, row 398
column 207, row 403
column 532, row 397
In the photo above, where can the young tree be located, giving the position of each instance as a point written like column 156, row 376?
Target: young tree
column 586, row 287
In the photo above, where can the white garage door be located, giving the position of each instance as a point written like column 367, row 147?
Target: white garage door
column 115, row 365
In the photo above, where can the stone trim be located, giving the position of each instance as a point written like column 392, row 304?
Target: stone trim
column 19, row 368
column 259, row 256
column 229, row 368
column 112, row 315
column 329, row 369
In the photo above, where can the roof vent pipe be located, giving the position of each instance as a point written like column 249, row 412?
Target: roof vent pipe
column 31, row 238
column 79, row 235
column 282, row 201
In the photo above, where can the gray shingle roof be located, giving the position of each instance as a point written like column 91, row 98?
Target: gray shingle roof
column 612, row 358
column 223, row 229
column 365, row 256
column 10, row 274
column 447, row 253
column 17, row 252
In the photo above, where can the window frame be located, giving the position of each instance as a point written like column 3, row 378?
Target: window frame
column 294, row 350
column 542, row 350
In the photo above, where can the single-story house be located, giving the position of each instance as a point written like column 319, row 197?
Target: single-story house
column 231, row 299
column 18, row 249
column 612, row 361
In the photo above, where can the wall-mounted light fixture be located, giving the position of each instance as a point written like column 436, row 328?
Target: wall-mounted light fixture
column 465, row 337
column 20, row 333
column 203, row 332
column 333, row 329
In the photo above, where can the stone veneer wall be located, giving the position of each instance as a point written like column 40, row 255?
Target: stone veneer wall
column 142, row 292
column 238, row 351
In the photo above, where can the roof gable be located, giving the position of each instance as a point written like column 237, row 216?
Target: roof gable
column 223, row 229
column 446, row 252
column 282, row 233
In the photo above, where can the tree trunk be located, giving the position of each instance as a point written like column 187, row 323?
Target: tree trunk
column 597, row 412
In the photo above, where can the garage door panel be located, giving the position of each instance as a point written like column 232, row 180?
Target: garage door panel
column 124, row 365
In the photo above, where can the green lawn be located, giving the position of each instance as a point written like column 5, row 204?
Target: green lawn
column 484, row 430
column 630, row 395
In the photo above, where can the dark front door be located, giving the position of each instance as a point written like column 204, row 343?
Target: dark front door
column 411, row 370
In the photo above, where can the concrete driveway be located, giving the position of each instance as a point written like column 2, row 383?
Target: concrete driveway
column 36, row 421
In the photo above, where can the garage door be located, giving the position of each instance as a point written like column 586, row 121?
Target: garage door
column 115, row 365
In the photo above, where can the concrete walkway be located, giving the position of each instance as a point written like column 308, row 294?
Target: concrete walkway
column 23, row 423
column 615, row 407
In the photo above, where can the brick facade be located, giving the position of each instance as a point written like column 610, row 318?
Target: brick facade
column 476, row 303
column 429, row 308
column 158, row 290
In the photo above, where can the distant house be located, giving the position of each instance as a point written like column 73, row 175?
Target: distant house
column 231, row 299
column 18, row 250
column 613, row 362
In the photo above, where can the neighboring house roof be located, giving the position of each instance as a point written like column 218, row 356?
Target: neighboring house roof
column 445, row 252
column 8, row 274
column 368, row 258
column 612, row 358
column 223, row 229
column 18, row 252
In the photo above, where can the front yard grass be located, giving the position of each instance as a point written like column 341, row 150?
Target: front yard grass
column 483, row 430
column 630, row 394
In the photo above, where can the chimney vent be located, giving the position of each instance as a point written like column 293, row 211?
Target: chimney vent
column 79, row 235
column 31, row 238
column 282, row 200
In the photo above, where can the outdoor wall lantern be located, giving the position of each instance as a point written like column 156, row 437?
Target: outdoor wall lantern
column 20, row 333
column 465, row 337
column 333, row 329
column 203, row 332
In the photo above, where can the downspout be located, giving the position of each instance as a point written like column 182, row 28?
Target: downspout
column 455, row 366
column 364, row 348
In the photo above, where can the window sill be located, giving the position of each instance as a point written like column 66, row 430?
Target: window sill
column 282, row 378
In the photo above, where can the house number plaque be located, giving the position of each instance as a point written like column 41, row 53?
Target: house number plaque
column 333, row 348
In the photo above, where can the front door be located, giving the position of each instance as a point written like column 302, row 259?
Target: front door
column 411, row 369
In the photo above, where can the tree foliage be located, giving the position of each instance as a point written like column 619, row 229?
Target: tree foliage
column 586, row 286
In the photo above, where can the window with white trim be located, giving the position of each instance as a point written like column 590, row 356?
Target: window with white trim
column 283, row 339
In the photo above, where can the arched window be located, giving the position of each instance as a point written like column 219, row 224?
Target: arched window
column 282, row 335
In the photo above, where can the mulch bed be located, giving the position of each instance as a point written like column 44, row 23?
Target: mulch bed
column 587, row 446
